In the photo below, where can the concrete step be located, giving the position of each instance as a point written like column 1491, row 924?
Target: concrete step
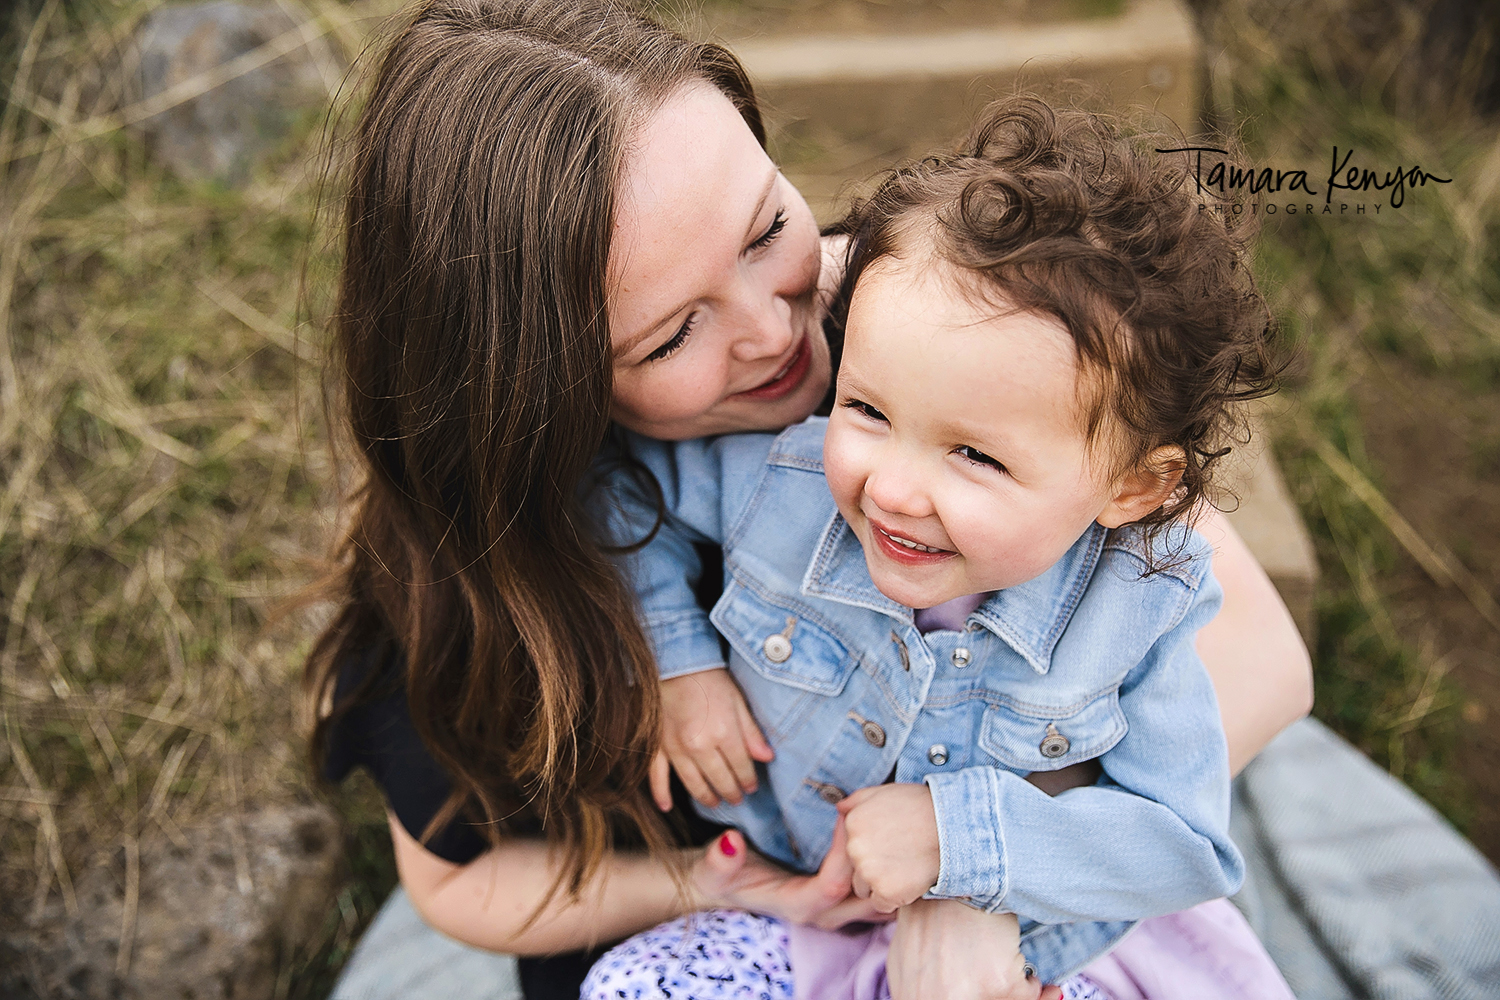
column 1268, row 520
column 843, row 105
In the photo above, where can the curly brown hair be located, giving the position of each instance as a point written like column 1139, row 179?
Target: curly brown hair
column 1069, row 214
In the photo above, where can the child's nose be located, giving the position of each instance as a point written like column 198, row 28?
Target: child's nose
column 897, row 488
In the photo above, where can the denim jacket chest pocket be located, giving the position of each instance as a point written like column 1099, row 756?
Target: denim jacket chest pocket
column 1040, row 738
column 781, row 641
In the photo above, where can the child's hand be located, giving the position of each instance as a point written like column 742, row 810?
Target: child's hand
column 893, row 843
column 944, row 950
column 710, row 737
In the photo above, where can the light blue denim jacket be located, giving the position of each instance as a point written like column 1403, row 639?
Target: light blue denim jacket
column 1088, row 660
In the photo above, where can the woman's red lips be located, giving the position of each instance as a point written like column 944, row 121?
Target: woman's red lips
column 899, row 548
column 786, row 380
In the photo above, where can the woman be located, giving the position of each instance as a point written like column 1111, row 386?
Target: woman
column 547, row 228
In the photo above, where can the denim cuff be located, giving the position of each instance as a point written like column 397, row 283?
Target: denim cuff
column 970, row 841
column 684, row 643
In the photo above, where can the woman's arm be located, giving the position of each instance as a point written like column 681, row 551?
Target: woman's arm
column 1254, row 654
column 487, row 902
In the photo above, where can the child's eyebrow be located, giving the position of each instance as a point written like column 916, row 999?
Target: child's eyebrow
column 979, row 435
column 849, row 383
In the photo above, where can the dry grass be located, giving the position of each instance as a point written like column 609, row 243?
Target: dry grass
column 163, row 484
column 1417, row 285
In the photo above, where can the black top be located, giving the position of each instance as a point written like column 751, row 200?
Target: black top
column 378, row 734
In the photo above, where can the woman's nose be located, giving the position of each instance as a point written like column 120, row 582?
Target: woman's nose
column 765, row 324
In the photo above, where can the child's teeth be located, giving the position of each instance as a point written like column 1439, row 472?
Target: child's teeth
column 912, row 545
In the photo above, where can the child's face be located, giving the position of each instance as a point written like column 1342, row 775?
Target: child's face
column 957, row 450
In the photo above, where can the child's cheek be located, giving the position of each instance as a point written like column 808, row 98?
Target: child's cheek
column 841, row 467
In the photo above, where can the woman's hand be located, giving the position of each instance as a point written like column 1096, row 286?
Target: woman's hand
column 710, row 737
column 945, row 950
column 730, row 875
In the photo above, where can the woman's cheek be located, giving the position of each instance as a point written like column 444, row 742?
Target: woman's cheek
column 667, row 397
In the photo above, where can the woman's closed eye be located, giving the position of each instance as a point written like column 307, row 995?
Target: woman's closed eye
column 678, row 339
column 978, row 457
column 865, row 410
column 766, row 238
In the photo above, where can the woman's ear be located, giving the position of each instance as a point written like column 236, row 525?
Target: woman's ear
column 1145, row 487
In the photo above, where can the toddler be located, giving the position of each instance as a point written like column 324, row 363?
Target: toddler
column 977, row 571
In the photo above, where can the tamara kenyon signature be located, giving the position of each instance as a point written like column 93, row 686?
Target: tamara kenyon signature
column 1229, row 179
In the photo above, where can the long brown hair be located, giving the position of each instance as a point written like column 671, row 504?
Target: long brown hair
column 471, row 362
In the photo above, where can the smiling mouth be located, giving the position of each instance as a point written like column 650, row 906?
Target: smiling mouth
column 788, row 378
column 906, row 550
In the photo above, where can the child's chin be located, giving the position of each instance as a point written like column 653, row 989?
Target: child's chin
column 907, row 592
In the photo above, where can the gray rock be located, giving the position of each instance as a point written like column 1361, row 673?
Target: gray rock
column 224, row 132
column 213, row 921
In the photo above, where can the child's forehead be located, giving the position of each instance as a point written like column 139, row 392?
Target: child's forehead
column 918, row 319
column 932, row 295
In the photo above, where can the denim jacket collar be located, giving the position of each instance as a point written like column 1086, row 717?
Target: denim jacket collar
column 1029, row 617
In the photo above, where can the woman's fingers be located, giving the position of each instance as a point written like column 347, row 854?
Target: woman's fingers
column 850, row 910
column 661, row 781
column 834, row 873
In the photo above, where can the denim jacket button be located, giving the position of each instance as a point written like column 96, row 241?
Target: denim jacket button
column 1054, row 744
column 777, row 647
column 961, row 656
column 937, row 754
column 874, row 735
column 832, row 794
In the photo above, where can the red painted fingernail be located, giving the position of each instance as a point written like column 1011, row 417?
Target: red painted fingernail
column 727, row 846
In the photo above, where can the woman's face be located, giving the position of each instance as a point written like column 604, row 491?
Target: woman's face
column 713, row 280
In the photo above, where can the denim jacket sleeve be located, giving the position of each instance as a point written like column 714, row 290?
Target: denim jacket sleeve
column 704, row 483
column 1150, row 838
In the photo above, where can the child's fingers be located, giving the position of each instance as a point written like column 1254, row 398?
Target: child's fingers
column 755, row 740
column 1051, row 993
column 740, row 763
column 720, row 776
column 860, row 887
column 661, row 781
column 692, row 779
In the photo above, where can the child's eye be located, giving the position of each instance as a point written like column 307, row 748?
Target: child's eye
column 774, row 230
column 678, row 339
column 978, row 457
column 865, row 410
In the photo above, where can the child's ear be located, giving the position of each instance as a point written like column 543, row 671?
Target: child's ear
column 1144, row 488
